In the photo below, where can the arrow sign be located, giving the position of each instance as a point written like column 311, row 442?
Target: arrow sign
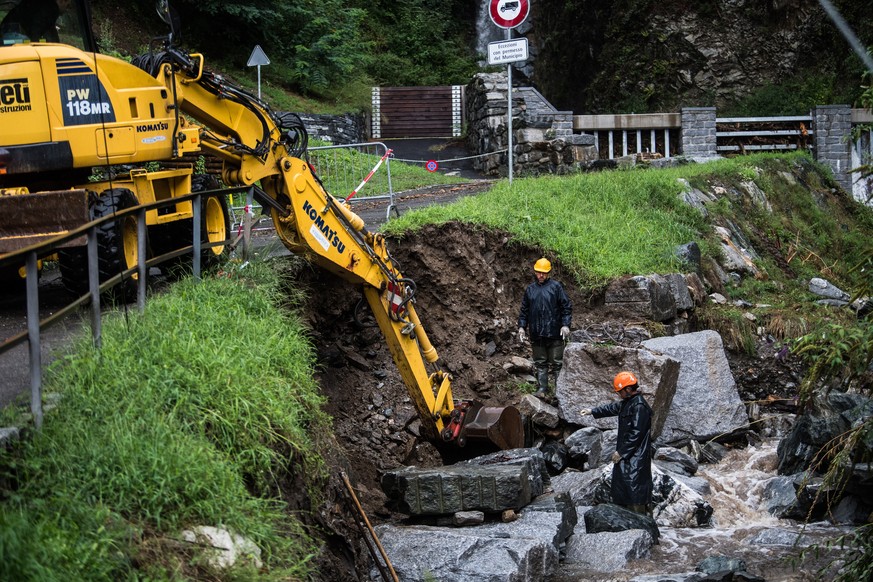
column 258, row 58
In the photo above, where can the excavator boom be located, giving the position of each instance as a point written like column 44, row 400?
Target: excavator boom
column 164, row 105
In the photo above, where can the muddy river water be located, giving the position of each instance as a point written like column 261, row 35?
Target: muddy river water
column 741, row 529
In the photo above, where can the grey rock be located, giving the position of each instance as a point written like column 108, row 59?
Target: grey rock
column 608, row 551
column 714, row 564
column 689, row 253
column 679, row 289
column 447, row 490
column 779, row 498
column 582, row 487
column 538, row 411
column 674, row 455
column 706, row 402
column 585, row 381
column 585, row 444
column 466, row 518
column 9, row 434
column 696, row 484
column 613, row 518
column 681, row 577
column 538, row 474
column 824, row 288
column 648, row 296
column 555, row 453
column 464, row 554
column 778, row 537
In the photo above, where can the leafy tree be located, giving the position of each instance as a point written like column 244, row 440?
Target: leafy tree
column 315, row 45
column 420, row 42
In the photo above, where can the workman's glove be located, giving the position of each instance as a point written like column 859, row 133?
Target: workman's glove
column 616, row 457
column 565, row 333
column 521, row 336
column 585, row 411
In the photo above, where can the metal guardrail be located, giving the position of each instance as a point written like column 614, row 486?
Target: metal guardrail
column 30, row 256
column 632, row 133
column 764, row 134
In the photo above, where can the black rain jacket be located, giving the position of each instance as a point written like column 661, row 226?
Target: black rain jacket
column 632, row 475
column 545, row 309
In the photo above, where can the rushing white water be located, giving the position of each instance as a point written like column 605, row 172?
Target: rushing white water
column 739, row 524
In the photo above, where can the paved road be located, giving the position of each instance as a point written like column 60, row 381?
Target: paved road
column 451, row 155
column 15, row 364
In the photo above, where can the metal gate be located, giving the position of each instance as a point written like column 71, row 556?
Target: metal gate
column 400, row 112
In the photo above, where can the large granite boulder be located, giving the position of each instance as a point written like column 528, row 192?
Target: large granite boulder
column 586, row 377
column 706, row 403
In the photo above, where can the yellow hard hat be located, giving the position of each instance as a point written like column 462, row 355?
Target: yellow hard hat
column 543, row 265
column 624, row 380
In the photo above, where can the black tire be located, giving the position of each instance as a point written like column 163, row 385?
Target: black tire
column 117, row 248
column 11, row 281
column 214, row 227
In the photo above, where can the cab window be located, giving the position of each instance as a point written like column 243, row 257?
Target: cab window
column 27, row 21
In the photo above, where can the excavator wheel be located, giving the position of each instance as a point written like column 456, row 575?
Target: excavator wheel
column 214, row 227
column 117, row 248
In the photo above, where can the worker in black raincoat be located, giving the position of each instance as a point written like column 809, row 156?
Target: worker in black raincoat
column 546, row 312
column 632, row 468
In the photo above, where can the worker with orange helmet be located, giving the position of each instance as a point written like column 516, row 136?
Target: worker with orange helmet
column 632, row 459
column 546, row 313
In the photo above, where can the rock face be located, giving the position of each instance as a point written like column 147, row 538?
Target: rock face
column 672, row 53
column 706, row 404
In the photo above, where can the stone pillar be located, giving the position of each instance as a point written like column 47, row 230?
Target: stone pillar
column 832, row 125
column 698, row 132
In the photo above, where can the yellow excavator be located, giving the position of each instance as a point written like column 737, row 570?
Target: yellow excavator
column 66, row 110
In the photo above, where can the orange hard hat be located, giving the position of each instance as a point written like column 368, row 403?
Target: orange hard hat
column 543, row 265
column 624, row 380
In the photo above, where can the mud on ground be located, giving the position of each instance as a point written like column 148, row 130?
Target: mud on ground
column 469, row 287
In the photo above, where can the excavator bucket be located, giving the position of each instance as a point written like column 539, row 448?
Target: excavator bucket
column 502, row 426
column 27, row 219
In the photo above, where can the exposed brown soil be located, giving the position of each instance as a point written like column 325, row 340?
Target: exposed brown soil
column 470, row 283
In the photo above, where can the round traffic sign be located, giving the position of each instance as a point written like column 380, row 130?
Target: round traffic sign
column 508, row 13
column 432, row 166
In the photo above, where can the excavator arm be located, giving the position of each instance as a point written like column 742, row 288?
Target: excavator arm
column 265, row 150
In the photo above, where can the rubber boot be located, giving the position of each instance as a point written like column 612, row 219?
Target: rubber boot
column 542, row 383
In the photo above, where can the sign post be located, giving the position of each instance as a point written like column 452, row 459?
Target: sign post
column 508, row 14
column 258, row 58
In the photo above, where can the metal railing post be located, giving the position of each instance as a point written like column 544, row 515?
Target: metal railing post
column 198, row 209
column 141, row 253
column 247, row 225
column 32, row 285
column 94, row 287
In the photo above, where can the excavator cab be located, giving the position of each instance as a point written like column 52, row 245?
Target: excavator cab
column 56, row 21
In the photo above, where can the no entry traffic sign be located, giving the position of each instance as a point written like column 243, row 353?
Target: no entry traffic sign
column 508, row 13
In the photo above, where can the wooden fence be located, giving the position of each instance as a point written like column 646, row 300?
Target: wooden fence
column 406, row 112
